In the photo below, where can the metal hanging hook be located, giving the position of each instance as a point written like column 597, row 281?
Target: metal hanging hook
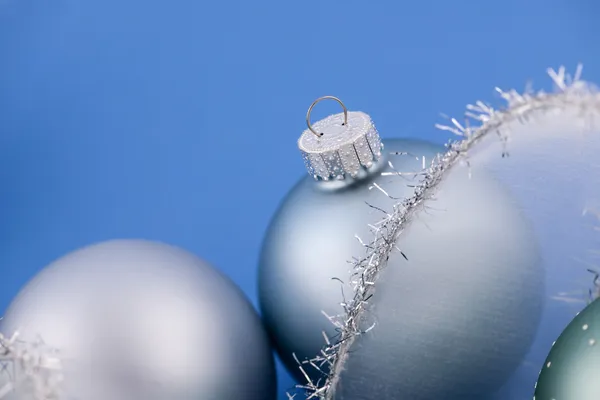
column 317, row 134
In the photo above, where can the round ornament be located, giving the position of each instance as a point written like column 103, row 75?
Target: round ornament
column 572, row 368
column 541, row 148
column 134, row 319
column 461, row 298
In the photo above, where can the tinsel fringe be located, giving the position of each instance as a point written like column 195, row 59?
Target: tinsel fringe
column 36, row 367
column 481, row 120
column 29, row 366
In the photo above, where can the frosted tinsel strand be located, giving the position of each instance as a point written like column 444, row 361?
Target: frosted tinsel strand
column 594, row 292
column 482, row 120
column 29, row 366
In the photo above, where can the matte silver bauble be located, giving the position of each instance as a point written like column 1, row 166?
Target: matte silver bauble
column 136, row 320
column 452, row 321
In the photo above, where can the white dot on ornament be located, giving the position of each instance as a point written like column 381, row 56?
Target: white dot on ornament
column 585, row 327
column 548, row 364
column 592, row 342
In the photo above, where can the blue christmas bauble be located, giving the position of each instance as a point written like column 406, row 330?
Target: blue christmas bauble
column 135, row 319
column 454, row 313
column 572, row 368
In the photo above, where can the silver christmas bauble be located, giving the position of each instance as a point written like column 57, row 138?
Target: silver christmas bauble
column 455, row 311
column 135, row 319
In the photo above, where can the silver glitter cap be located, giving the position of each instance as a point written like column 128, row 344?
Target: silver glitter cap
column 340, row 145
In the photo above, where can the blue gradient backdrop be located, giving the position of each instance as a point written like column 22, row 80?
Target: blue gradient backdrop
column 178, row 120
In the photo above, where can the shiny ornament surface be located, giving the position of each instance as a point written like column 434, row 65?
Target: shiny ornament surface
column 452, row 321
column 572, row 369
column 135, row 319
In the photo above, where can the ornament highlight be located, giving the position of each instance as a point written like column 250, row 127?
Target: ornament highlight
column 459, row 283
column 135, row 319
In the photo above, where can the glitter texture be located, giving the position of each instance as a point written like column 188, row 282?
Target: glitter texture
column 28, row 367
column 482, row 120
column 343, row 149
column 33, row 366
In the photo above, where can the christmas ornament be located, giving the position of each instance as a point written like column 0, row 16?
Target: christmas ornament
column 572, row 368
column 549, row 145
column 135, row 319
column 462, row 298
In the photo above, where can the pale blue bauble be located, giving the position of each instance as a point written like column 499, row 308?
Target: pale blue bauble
column 452, row 322
column 136, row 319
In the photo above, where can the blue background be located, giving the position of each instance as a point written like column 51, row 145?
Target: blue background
column 178, row 120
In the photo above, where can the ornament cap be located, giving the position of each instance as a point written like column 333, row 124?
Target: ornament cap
column 340, row 145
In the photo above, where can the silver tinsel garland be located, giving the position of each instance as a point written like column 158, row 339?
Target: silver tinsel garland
column 29, row 367
column 571, row 93
column 36, row 368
